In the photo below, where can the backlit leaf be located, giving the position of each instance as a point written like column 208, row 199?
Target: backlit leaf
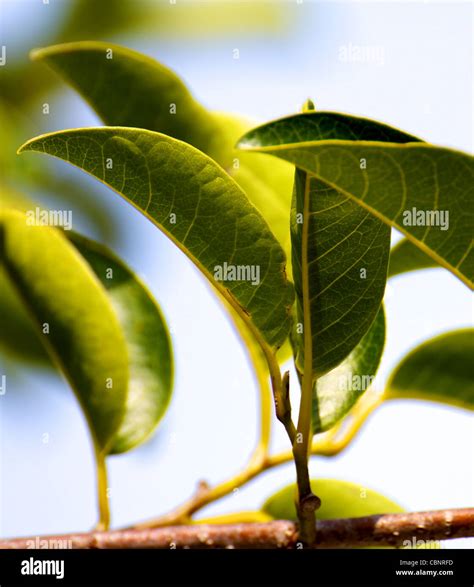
column 424, row 191
column 198, row 206
column 74, row 317
column 147, row 340
column 103, row 74
column 405, row 257
column 339, row 499
column 340, row 250
column 440, row 369
column 336, row 392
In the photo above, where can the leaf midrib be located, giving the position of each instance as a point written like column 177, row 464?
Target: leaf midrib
column 305, row 415
column 227, row 295
column 420, row 244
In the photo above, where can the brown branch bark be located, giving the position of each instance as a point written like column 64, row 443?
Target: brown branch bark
column 380, row 530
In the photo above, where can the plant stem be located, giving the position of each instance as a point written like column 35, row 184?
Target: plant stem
column 256, row 463
column 102, row 493
column 371, row 531
column 307, row 501
column 337, row 439
column 204, row 496
column 328, row 446
column 281, row 395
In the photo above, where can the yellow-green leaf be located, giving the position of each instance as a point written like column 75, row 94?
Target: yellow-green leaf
column 103, row 74
column 339, row 499
column 199, row 207
column 75, row 319
column 440, row 369
column 148, row 344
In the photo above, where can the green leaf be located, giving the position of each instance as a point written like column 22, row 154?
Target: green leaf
column 339, row 499
column 130, row 89
column 339, row 249
column 440, row 369
column 148, row 344
column 18, row 337
column 334, row 394
column 77, row 323
column 401, row 184
column 17, row 334
column 405, row 256
column 267, row 184
column 340, row 257
column 198, row 206
column 150, row 106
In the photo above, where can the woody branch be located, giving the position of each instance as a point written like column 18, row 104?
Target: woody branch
column 379, row 530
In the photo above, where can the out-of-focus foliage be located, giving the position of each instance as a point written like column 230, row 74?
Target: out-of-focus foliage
column 73, row 316
column 198, row 206
column 103, row 19
column 440, row 369
column 150, row 361
column 339, row 499
column 24, row 87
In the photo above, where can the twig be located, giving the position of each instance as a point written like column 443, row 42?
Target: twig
column 331, row 444
column 380, row 530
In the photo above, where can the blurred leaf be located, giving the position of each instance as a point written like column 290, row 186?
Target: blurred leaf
column 130, row 89
column 77, row 323
column 148, row 344
column 94, row 19
column 405, row 256
column 267, row 184
column 215, row 18
column 161, row 102
column 339, row 499
column 18, row 337
column 440, row 369
column 334, row 394
column 387, row 179
column 195, row 203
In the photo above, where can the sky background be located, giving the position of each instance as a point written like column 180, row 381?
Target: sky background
column 418, row 454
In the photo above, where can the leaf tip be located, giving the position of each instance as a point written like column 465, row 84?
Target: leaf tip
column 36, row 54
column 32, row 145
column 24, row 147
